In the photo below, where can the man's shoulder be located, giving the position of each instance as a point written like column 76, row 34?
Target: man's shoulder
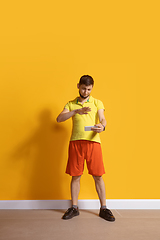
column 98, row 103
column 70, row 103
column 95, row 100
column 73, row 101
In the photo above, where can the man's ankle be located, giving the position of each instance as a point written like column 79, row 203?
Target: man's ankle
column 75, row 206
column 103, row 207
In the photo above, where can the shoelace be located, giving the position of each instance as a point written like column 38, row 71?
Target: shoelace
column 69, row 209
column 108, row 211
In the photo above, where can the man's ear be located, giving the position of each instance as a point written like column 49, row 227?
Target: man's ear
column 78, row 85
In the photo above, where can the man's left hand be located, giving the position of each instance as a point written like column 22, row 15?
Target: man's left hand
column 98, row 128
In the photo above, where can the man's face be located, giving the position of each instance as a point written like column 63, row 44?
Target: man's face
column 84, row 90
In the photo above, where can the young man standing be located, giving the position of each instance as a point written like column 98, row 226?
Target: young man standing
column 85, row 144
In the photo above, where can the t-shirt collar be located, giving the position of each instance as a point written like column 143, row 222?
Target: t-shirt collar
column 89, row 99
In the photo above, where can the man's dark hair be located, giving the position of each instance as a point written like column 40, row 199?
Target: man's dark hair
column 86, row 80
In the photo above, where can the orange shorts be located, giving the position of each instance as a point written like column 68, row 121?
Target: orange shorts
column 80, row 150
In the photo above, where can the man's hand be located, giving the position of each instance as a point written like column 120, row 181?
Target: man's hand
column 98, row 128
column 83, row 110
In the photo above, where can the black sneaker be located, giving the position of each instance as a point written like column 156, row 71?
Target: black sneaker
column 106, row 214
column 70, row 213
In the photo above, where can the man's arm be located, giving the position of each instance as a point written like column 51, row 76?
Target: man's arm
column 66, row 114
column 102, row 121
column 101, row 116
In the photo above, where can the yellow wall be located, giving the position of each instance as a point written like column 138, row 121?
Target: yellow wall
column 45, row 46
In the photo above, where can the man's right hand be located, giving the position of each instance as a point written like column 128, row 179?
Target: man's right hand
column 83, row 110
column 66, row 114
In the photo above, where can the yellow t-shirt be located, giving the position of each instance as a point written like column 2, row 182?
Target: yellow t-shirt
column 80, row 121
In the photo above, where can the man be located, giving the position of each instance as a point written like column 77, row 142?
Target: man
column 85, row 144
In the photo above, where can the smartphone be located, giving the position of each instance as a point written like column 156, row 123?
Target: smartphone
column 88, row 128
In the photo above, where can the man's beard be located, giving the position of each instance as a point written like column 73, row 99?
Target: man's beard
column 83, row 96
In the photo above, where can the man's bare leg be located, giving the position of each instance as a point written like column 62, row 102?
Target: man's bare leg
column 75, row 188
column 100, row 188
column 104, row 211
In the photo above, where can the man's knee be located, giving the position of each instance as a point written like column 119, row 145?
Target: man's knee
column 76, row 178
column 97, row 178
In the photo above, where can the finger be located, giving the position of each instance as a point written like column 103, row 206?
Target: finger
column 95, row 129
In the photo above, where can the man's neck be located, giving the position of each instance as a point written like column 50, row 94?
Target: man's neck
column 82, row 100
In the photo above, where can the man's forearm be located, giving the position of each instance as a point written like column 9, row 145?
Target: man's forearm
column 64, row 116
column 104, row 122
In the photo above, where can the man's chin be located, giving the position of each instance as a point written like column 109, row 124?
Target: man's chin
column 84, row 97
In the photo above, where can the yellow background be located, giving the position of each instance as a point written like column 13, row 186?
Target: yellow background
column 45, row 47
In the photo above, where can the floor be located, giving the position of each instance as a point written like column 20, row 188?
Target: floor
column 47, row 225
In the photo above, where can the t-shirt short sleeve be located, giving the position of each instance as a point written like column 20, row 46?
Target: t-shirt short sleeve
column 100, row 105
column 67, row 106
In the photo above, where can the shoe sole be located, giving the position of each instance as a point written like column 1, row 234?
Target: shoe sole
column 110, row 220
column 70, row 217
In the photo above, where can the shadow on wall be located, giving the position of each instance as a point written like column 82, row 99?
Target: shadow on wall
column 40, row 159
